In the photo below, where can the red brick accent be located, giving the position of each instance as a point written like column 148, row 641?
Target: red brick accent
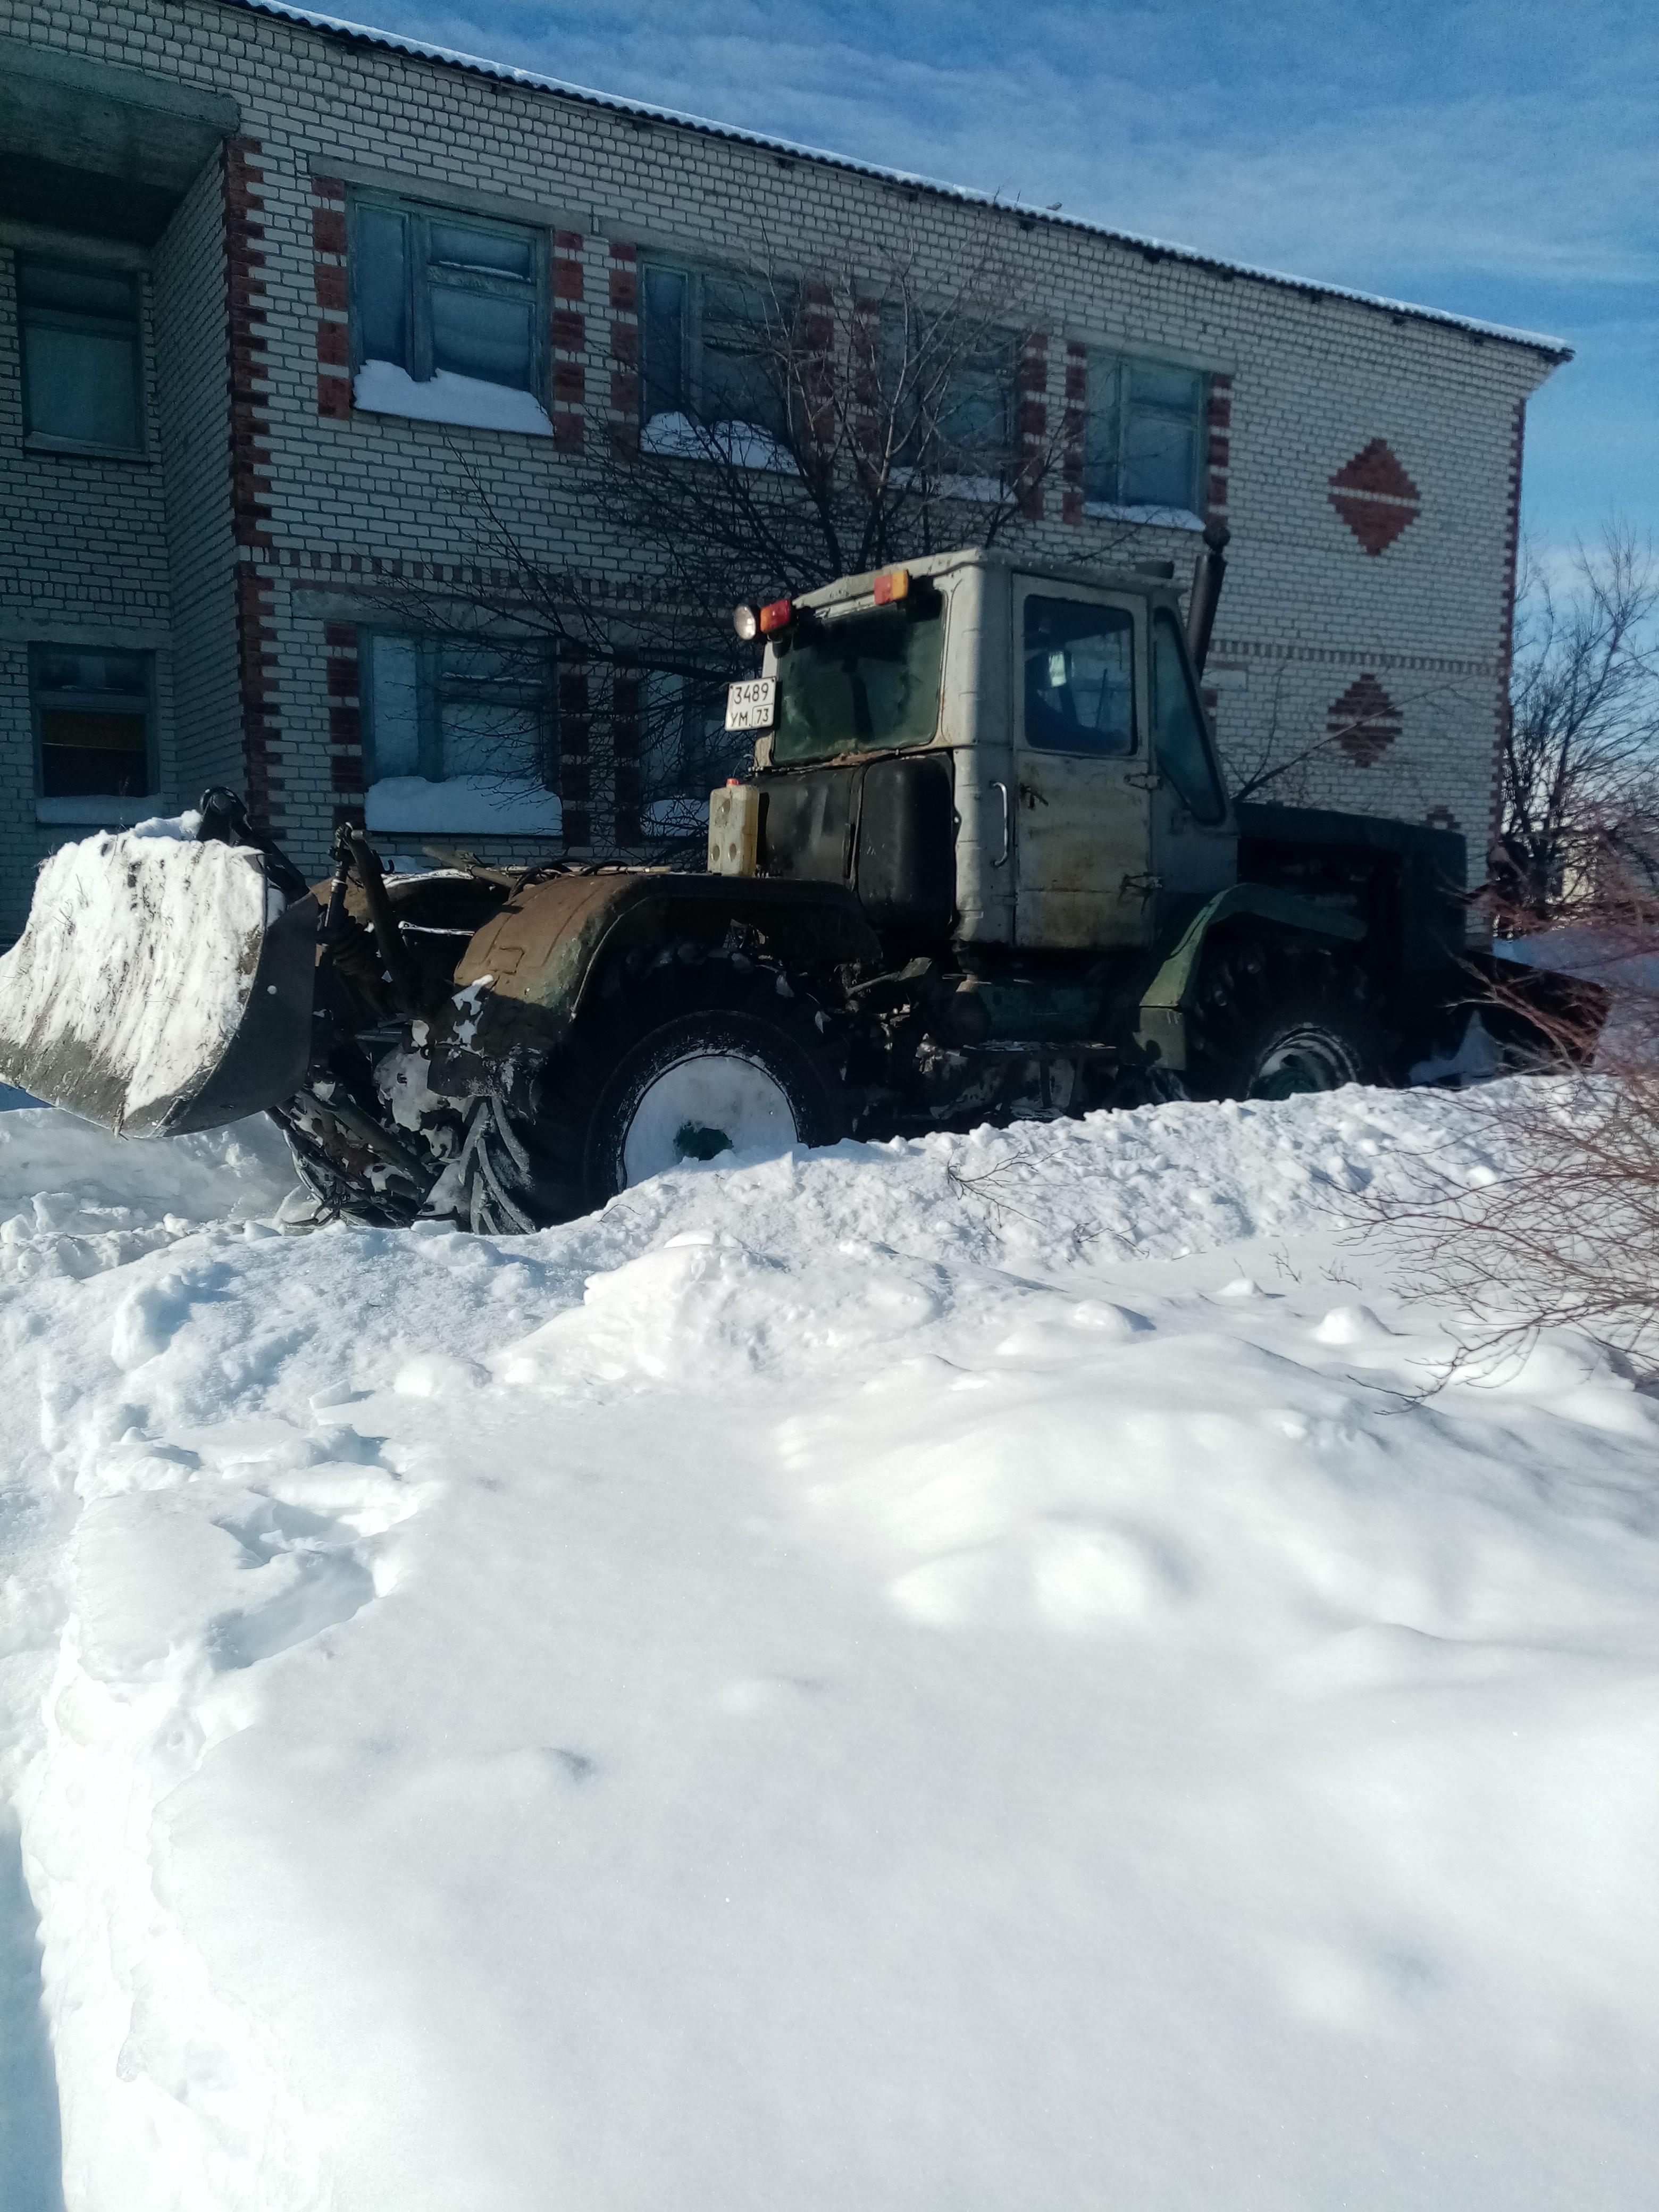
column 242, row 176
column 1031, row 382
column 622, row 416
column 328, row 240
column 568, row 332
column 1375, row 496
column 1502, row 709
column 256, row 684
column 866, row 368
column 249, row 428
column 1364, row 721
column 626, row 700
column 345, row 733
column 1072, row 427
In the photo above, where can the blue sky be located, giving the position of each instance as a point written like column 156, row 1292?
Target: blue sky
column 1498, row 157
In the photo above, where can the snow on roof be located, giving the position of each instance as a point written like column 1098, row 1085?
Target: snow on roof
column 394, row 42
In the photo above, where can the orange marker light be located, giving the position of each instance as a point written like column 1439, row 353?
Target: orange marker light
column 776, row 616
column 894, row 585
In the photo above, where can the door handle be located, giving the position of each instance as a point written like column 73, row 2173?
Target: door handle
column 1008, row 827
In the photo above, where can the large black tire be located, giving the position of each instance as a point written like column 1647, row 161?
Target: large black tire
column 683, row 1058
column 1278, row 1017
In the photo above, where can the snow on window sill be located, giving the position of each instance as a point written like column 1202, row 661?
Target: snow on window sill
column 380, row 387
column 738, row 444
column 1151, row 518
column 471, row 805
column 95, row 814
column 981, row 491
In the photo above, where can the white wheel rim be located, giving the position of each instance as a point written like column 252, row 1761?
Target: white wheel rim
column 1310, row 1059
column 707, row 1106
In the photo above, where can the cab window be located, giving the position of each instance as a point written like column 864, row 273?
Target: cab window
column 1183, row 746
column 1079, row 678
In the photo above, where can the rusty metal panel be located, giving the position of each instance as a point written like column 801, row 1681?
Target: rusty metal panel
column 541, row 950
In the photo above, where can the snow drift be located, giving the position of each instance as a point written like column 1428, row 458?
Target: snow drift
column 948, row 1674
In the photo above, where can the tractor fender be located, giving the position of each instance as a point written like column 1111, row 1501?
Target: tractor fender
column 527, row 973
column 1161, row 1029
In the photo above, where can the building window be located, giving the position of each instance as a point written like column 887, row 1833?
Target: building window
column 685, row 749
column 951, row 397
column 460, row 735
column 710, row 347
column 82, row 359
column 93, row 721
column 1144, row 440
column 449, row 316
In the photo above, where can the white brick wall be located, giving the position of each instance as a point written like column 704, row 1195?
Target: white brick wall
column 1314, row 381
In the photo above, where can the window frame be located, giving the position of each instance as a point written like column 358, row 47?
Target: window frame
column 430, row 699
column 739, row 745
column 696, row 276
column 51, row 442
column 922, row 451
column 41, row 704
column 1041, row 589
column 419, row 215
column 1119, row 367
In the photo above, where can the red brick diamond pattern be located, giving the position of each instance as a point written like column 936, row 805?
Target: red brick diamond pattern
column 1375, row 496
column 1364, row 721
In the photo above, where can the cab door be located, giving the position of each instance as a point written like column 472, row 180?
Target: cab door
column 1079, row 807
column 1194, row 850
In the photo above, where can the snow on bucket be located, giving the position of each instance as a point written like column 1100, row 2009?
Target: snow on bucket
column 160, row 985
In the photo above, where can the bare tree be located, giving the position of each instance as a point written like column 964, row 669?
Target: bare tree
column 1580, row 756
column 1544, row 1210
column 845, row 420
column 1558, row 1222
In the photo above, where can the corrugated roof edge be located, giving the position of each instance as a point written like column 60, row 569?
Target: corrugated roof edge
column 532, row 81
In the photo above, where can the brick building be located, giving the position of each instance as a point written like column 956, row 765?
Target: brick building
column 280, row 299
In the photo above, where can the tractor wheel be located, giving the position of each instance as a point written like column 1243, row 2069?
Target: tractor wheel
column 1274, row 1018
column 695, row 1055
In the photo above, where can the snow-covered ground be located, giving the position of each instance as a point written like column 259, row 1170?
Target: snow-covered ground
column 948, row 1676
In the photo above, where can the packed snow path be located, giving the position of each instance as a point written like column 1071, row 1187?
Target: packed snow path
column 950, row 1676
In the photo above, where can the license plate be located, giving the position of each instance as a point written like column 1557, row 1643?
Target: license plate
column 752, row 705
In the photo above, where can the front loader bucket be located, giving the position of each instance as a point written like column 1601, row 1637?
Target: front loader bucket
column 160, row 985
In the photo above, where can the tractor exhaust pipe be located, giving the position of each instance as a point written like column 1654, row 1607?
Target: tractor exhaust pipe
column 1208, row 570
